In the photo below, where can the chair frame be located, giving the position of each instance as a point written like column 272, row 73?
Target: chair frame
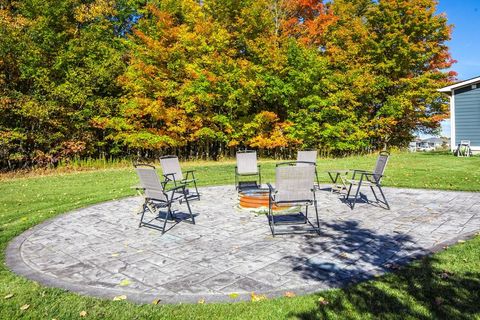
column 305, row 202
column 154, row 204
column 185, row 181
column 369, row 178
column 238, row 175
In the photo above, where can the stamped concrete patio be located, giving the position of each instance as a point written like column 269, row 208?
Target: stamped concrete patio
column 229, row 253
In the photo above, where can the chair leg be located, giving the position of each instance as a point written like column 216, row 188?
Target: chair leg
column 143, row 214
column 318, row 181
column 271, row 222
column 356, row 194
column 259, row 178
column 189, row 209
column 374, row 193
column 196, row 189
column 306, row 214
column 383, row 196
column 169, row 212
column 316, row 213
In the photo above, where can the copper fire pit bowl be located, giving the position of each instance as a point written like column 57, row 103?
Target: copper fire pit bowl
column 256, row 199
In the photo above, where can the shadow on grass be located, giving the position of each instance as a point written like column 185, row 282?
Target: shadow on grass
column 346, row 254
column 419, row 291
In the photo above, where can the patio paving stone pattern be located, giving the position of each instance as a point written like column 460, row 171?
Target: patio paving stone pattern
column 230, row 253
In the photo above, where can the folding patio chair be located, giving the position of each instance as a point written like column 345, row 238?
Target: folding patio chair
column 173, row 172
column 294, row 186
column 247, row 166
column 365, row 178
column 308, row 157
column 157, row 198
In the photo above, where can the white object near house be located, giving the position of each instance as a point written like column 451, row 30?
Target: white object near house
column 464, row 113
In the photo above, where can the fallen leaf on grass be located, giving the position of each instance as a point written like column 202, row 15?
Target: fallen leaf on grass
column 124, row 282
column 257, row 297
column 8, row 296
column 322, row 301
column 233, row 295
column 118, row 298
column 25, row 307
column 83, row 314
column 461, row 241
column 289, row 294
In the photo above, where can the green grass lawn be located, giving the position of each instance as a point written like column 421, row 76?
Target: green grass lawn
column 446, row 285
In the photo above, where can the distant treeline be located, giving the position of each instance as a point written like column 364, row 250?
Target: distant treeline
column 201, row 78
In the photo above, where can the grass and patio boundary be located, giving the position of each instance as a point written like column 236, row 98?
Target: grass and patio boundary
column 444, row 285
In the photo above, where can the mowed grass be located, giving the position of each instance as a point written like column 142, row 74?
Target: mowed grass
column 446, row 285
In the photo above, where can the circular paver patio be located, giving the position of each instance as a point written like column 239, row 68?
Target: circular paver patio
column 229, row 253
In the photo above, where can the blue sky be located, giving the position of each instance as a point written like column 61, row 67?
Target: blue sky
column 465, row 43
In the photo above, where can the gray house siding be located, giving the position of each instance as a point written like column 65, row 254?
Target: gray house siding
column 467, row 115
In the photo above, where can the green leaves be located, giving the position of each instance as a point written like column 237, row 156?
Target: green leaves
column 117, row 77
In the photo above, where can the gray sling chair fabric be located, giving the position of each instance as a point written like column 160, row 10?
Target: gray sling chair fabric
column 156, row 197
column 371, row 179
column 294, row 186
column 247, row 166
column 173, row 172
column 307, row 157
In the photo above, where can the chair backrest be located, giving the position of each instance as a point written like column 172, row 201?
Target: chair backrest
column 465, row 142
column 381, row 164
column 150, row 182
column 247, row 162
column 306, row 157
column 171, row 165
column 294, row 183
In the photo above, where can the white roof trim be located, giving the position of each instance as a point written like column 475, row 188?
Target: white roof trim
column 459, row 85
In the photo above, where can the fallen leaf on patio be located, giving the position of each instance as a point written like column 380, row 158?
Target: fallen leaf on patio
column 233, row 295
column 156, row 301
column 201, row 301
column 439, row 300
column 25, row 307
column 289, row 294
column 461, row 241
column 322, row 301
column 343, row 255
column 124, row 283
column 83, row 314
column 257, row 297
column 118, row 298
column 115, row 254
column 8, row 296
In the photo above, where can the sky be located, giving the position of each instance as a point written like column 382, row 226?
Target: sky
column 464, row 15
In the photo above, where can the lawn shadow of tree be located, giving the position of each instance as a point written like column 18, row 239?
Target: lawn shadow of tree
column 420, row 290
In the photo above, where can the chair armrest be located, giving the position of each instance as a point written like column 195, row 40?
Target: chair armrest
column 376, row 177
column 192, row 172
column 167, row 177
column 181, row 186
column 339, row 171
